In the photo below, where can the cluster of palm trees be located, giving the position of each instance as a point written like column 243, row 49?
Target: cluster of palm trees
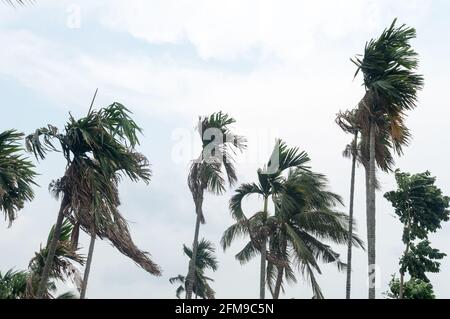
column 292, row 231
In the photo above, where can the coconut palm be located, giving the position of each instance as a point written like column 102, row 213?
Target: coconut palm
column 211, row 170
column 16, row 175
column 270, row 184
column 205, row 260
column 391, row 84
column 99, row 150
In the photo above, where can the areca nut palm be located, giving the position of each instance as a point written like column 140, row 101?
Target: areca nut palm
column 389, row 65
column 205, row 260
column 99, row 150
column 17, row 175
column 63, row 262
column 269, row 185
column 211, row 171
column 306, row 220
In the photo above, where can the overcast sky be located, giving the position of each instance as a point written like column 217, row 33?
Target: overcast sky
column 280, row 68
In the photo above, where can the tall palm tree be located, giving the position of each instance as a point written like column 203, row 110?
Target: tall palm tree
column 16, row 175
column 391, row 84
column 205, row 260
column 210, row 171
column 347, row 121
column 270, row 180
column 99, row 150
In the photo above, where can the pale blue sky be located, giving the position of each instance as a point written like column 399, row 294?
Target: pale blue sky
column 281, row 68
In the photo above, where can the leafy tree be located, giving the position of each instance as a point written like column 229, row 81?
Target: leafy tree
column 219, row 145
column 205, row 260
column 391, row 86
column 413, row 289
column 99, row 150
column 421, row 207
column 16, row 175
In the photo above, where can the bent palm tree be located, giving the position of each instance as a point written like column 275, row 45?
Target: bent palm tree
column 205, row 260
column 16, row 176
column 391, row 86
column 269, row 186
column 99, row 151
column 206, row 172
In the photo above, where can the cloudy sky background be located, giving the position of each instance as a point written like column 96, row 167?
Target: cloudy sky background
column 281, row 68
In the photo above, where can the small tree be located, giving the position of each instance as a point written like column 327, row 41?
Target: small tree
column 421, row 208
column 413, row 289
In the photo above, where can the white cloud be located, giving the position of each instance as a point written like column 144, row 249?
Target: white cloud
column 289, row 29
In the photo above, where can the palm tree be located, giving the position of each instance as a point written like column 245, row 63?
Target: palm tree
column 205, row 259
column 23, row 284
column 207, row 171
column 347, row 121
column 62, row 267
column 305, row 217
column 13, row 284
column 16, row 175
column 391, row 86
column 269, row 185
column 99, row 151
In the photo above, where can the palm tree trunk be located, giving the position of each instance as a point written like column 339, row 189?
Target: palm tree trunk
column 262, row 279
column 191, row 273
column 348, row 286
column 88, row 266
column 52, row 249
column 370, row 212
column 276, row 293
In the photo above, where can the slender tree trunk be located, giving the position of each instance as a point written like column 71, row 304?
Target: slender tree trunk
column 191, row 273
column 88, row 266
column 276, row 293
column 279, row 280
column 370, row 203
column 402, row 273
column 262, row 279
column 51, row 251
column 348, row 286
